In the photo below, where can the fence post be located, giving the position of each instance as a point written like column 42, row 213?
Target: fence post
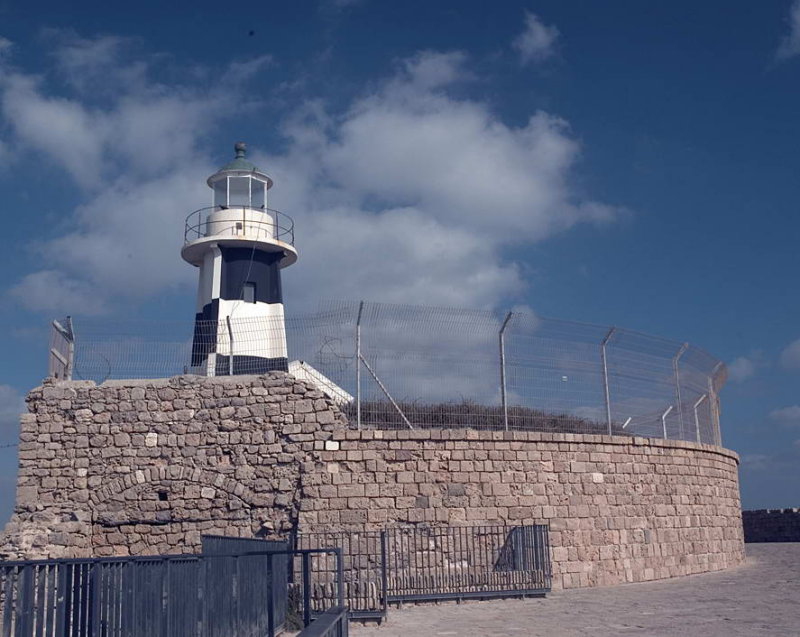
column 714, row 404
column 696, row 418
column 68, row 334
column 676, row 369
column 503, row 397
column 664, row 420
column 230, row 346
column 606, row 393
column 70, row 349
column 358, row 365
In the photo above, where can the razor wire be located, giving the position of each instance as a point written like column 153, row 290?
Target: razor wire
column 404, row 366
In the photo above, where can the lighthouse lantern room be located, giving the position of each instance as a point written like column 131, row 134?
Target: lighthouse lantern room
column 240, row 246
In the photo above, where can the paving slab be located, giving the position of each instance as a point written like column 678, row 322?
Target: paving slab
column 761, row 597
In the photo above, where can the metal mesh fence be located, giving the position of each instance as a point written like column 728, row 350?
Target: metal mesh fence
column 402, row 366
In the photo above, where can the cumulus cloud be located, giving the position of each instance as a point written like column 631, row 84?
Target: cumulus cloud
column 537, row 42
column 788, row 416
column 790, row 44
column 415, row 193
column 790, row 356
column 131, row 144
column 745, row 367
column 408, row 195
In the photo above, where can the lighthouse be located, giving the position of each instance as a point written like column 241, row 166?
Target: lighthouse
column 239, row 246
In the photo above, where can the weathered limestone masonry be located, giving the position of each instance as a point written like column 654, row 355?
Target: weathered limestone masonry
column 771, row 525
column 146, row 467
column 620, row 509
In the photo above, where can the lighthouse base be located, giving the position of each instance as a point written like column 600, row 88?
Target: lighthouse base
column 222, row 365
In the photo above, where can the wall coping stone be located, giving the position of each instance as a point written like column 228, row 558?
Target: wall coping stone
column 527, row 436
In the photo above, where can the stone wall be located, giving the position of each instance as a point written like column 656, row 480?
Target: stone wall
column 771, row 525
column 146, row 467
column 620, row 509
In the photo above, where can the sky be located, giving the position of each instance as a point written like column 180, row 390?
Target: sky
column 621, row 163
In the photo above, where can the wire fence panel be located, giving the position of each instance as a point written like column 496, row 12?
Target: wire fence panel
column 403, row 366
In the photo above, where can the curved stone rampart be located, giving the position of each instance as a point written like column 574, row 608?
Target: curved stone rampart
column 620, row 509
column 138, row 467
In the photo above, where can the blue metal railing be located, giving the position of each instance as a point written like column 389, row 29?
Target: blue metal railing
column 163, row 596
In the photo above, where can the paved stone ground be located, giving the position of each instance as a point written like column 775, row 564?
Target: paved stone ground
column 761, row 597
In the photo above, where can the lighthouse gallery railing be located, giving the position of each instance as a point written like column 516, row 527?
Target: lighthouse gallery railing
column 241, row 222
column 400, row 366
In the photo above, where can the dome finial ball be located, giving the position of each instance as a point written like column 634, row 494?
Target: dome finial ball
column 240, row 148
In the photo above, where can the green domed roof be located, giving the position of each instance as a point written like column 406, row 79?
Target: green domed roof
column 240, row 167
column 240, row 163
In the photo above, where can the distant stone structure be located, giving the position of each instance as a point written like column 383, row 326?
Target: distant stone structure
column 771, row 525
column 146, row 467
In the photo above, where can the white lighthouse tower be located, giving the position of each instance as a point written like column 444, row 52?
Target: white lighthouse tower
column 240, row 246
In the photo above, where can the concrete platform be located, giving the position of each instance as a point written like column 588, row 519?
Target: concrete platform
column 761, row 597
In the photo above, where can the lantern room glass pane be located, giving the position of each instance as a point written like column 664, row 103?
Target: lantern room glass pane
column 221, row 192
column 239, row 191
column 258, row 193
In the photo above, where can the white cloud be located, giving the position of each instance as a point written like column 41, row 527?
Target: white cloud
column 409, row 195
column 415, row 193
column 537, row 42
column 5, row 47
column 54, row 292
column 740, row 369
column 12, row 404
column 757, row 461
column 134, row 152
column 745, row 367
column 5, row 154
column 790, row 44
column 789, row 416
column 62, row 129
column 790, row 356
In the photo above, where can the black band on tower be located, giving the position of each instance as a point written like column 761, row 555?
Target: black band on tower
column 245, row 265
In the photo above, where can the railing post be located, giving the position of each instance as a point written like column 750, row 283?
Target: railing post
column 358, row 365
column 384, row 574
column 676, row 369
column 306, row 558
column 230, row 346
column 503, row 396
column 340, row 576
column 270, row 599
column 606, row 393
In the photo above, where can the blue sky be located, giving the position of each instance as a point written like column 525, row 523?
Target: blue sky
column 621, row 163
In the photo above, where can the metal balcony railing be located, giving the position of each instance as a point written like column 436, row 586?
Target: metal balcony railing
column 241, row 222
